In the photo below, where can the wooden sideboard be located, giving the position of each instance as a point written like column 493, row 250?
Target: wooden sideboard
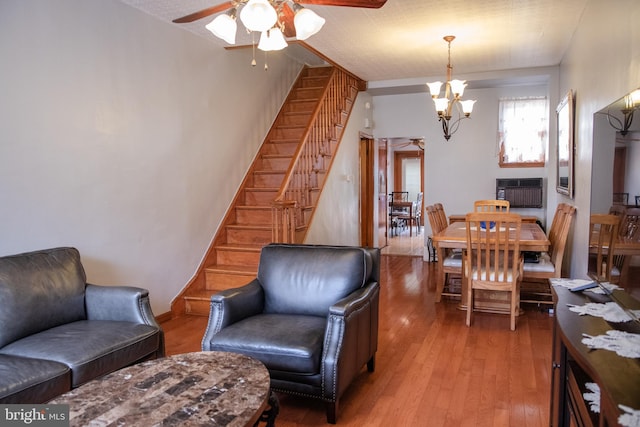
column 574, row 364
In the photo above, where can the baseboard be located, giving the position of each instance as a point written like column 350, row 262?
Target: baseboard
column 164, row 317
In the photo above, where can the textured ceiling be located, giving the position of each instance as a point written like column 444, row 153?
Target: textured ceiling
column 403, row 39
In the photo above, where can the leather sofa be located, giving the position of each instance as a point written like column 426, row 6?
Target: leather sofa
column 310, row 315
column 58, row 332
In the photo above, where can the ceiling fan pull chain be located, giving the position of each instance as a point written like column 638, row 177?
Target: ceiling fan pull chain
column 253, row 48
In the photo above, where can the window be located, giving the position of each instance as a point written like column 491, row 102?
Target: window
column 523, row 129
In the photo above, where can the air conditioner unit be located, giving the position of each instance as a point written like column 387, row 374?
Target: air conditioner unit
column 520, row 192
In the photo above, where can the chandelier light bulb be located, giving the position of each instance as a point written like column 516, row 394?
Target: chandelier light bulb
column 434, row 89
column 306, row 22
column 224, row 26
column 634, row 98
column 442, row 104
column 457, row 87
column 467, row 106
column 258, row 15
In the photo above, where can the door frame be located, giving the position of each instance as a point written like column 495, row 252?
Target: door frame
column 398, row 156
column 367, row 189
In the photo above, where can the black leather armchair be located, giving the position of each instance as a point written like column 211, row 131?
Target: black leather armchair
column 311, row 316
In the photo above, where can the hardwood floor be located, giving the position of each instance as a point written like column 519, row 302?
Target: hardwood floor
column 431, row 370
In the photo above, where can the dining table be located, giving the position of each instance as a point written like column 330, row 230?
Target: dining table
column 532, row 238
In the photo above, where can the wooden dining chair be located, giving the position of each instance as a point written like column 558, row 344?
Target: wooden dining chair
column 491, row 206
column 630, row 224
column 603, row 233
column 619, row 210
column 412, row 216
column 492, row 260
column 451, row 265
column 535, row 284
column 620, row 198
column 441, row 216
column 396, row 211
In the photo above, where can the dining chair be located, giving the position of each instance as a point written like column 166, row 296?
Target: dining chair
column 630, row 224
column 620, row 198
column 603, row 233
column 619, row 210
column 535, row 285
column 441, row 215
column 451, row 265
column 411, row 216
column 396, row 212
column 399, row 196
column 491, row 206
column 492, row 259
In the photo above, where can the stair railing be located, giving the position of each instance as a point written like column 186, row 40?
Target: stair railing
column 302, row 176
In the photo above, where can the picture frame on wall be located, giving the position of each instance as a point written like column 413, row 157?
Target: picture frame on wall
column 565, row 115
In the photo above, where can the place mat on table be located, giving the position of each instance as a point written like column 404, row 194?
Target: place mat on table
column 609, row 311
column 623, row 343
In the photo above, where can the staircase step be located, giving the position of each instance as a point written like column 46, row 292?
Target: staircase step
column 254, row 215
column 318, row 71
column 238, row 255
column 221, row 277
column 260, row 196
column 282, row 146
column 299, row 105
column 305, row 93
column 198, row 303
column 268, row 178
column 297, row 118
column 274, row 161
column 289, row 132
column 249, row 234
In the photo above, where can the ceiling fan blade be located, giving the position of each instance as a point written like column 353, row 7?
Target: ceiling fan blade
column 286, row 17
column 204, row 13
column 372, row 4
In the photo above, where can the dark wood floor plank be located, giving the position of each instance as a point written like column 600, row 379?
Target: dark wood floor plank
column 431, row 369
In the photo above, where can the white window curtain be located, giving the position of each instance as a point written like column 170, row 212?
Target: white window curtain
column 523, row 129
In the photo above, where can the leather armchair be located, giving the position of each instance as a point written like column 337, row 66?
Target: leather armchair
column 310, row 315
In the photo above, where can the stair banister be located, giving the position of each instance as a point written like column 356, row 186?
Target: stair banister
column 297, row 180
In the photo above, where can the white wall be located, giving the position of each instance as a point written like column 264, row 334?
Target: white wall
column 337, row 217
column 602, row 65
column 124, row 137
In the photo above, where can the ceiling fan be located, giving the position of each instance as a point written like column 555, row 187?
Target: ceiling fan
column 285, row 20
column 417, row 142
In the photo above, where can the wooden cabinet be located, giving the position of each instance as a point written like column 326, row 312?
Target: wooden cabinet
column 574, row 364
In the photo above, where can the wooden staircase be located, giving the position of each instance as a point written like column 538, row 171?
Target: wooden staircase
column 285, row 180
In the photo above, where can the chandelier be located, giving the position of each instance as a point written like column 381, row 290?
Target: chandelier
column 631, row 103
column 264, row 17
column 452, row 96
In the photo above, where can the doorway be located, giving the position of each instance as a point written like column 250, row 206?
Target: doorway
column 406, row 174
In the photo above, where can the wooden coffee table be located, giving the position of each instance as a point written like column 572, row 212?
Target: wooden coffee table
column 203, row 388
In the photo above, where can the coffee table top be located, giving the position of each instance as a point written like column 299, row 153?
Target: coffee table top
column 202, row 388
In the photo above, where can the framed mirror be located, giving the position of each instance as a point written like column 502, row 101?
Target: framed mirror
column 565, row 116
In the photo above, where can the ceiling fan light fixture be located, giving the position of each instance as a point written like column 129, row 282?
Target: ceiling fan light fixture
column 258, row 15
column 272, row 39
column 306, row 22
column 224, row 26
